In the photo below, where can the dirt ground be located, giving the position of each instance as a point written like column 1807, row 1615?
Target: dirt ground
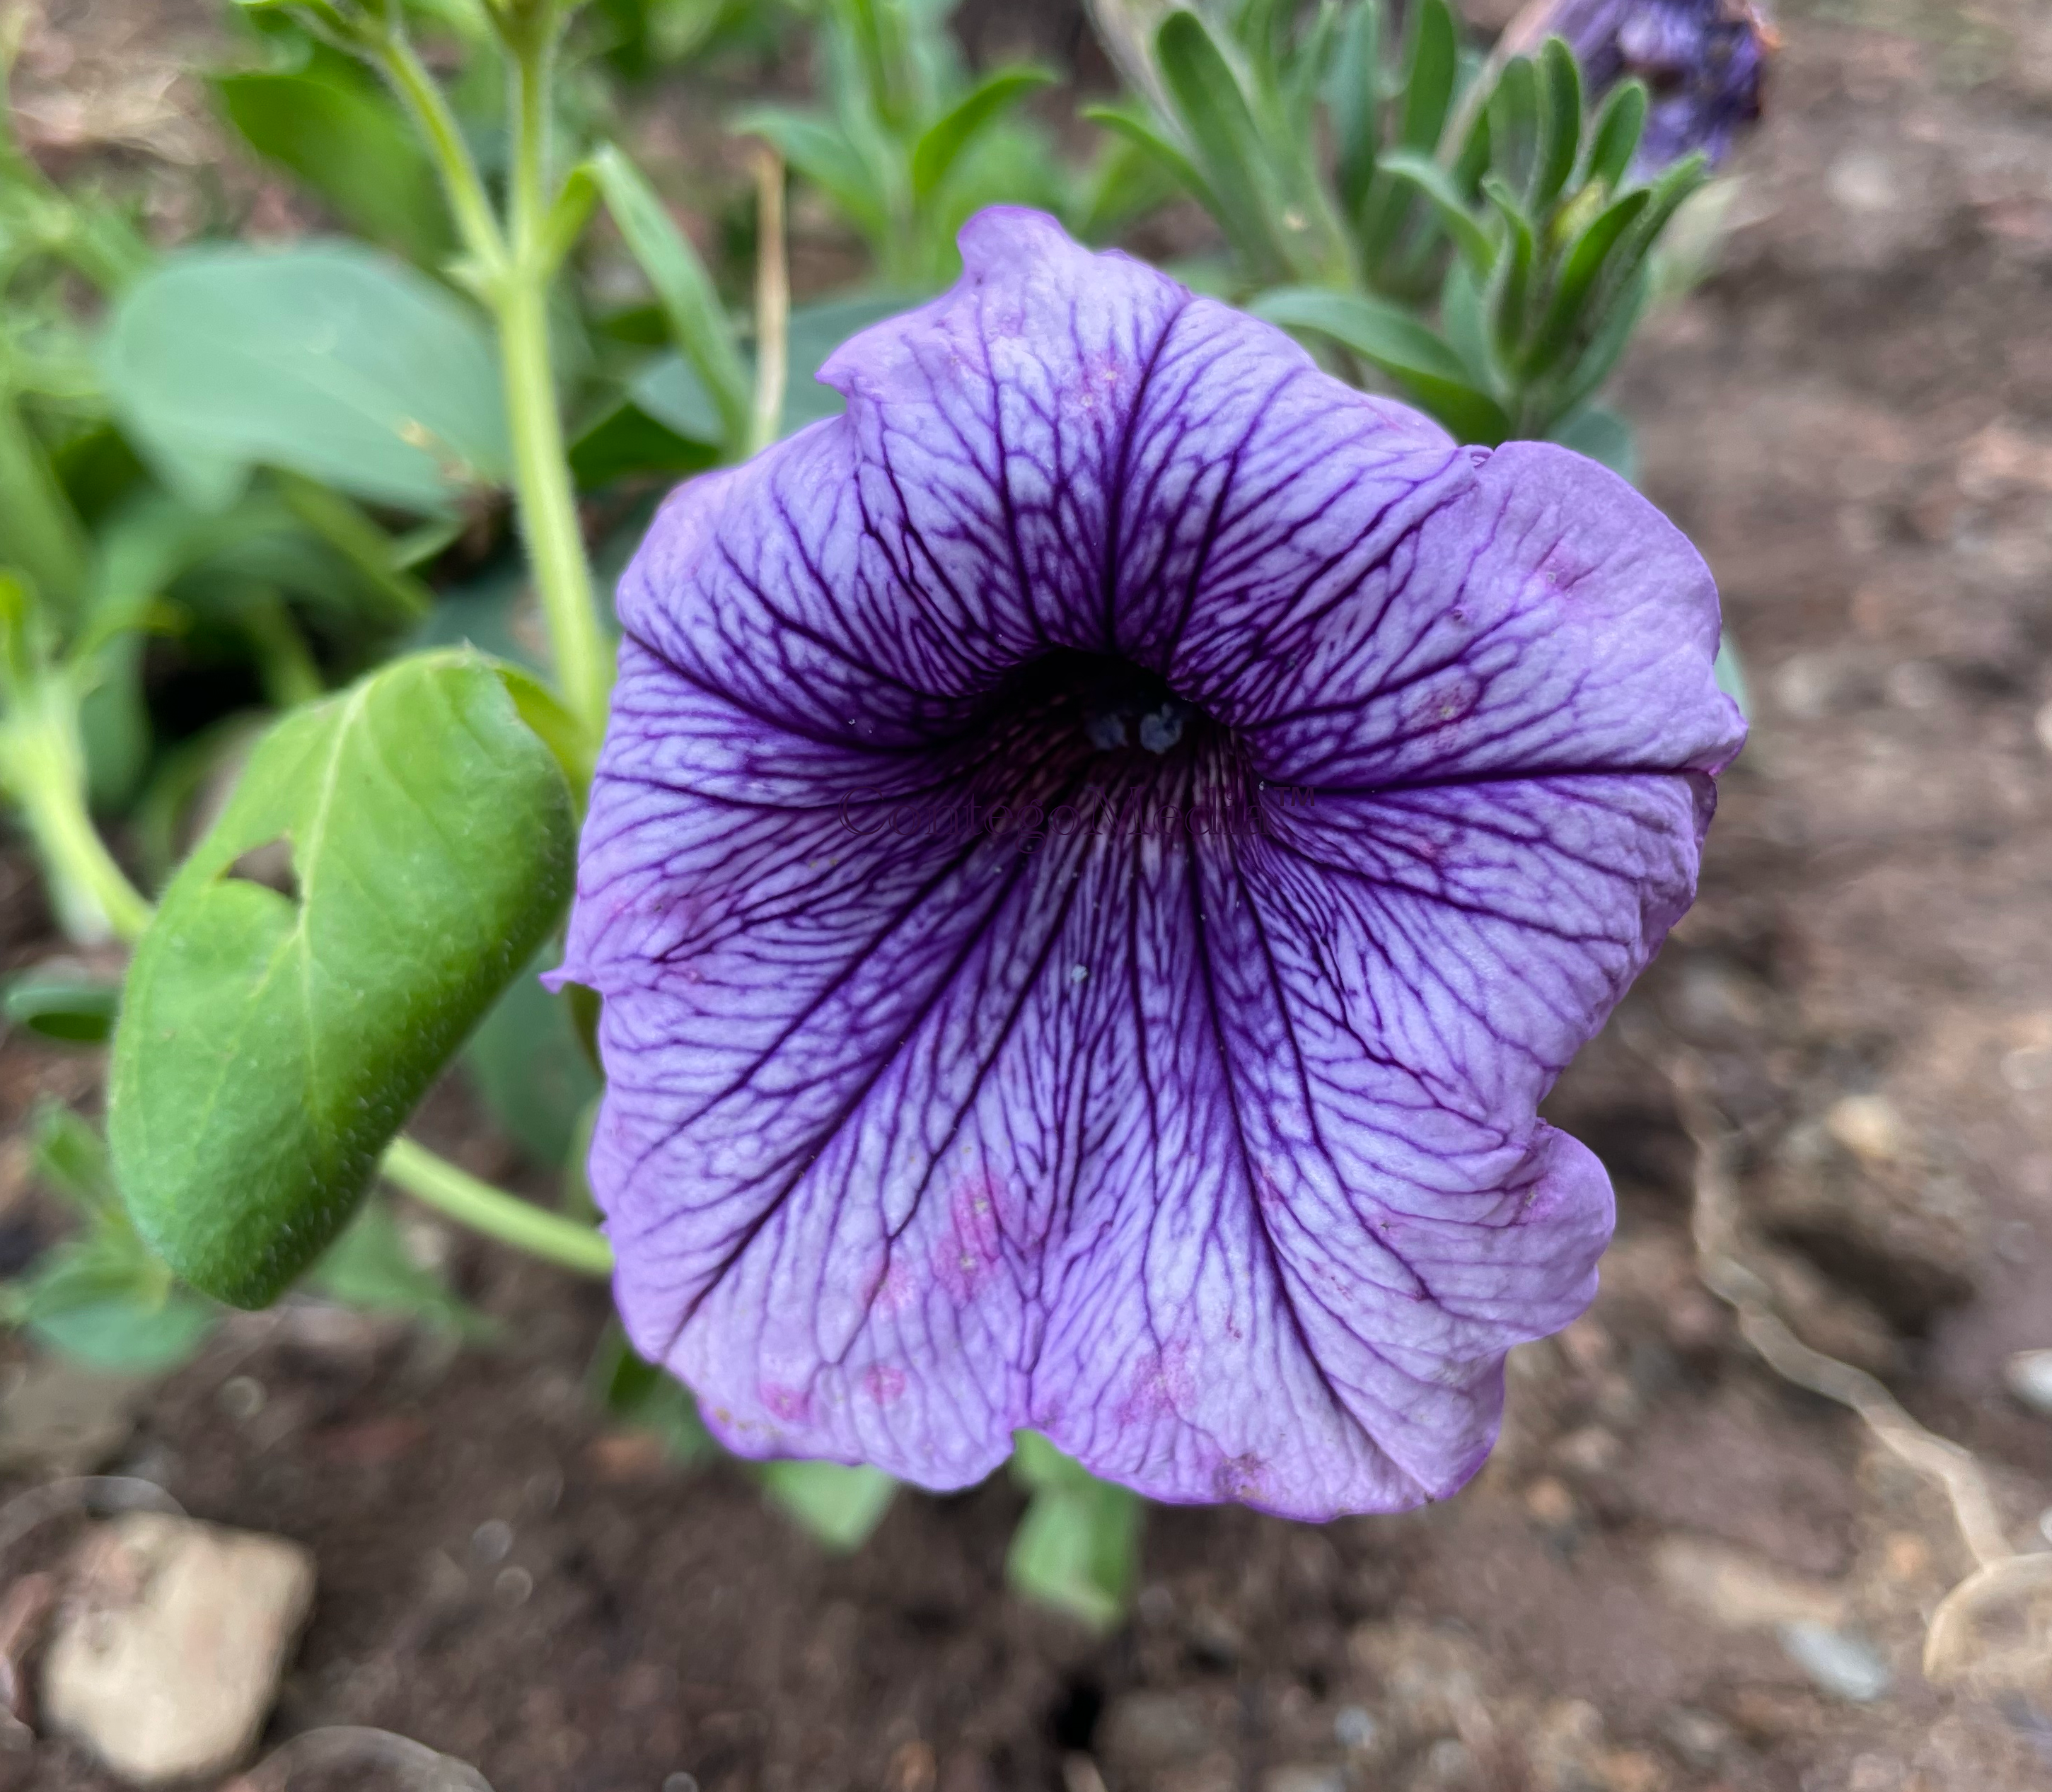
column 1853, row 419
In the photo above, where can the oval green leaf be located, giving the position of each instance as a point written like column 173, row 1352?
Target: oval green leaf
column 328, row 359
column 272, row 1041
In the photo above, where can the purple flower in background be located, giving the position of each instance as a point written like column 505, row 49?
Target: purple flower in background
column 1703, row 61
column 1098, row 852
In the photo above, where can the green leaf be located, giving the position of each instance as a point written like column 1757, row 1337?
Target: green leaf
column 1560, row 123
column 325, row 359
column 838, row 1506
column 1614, row 141
column 114, row 1314
column 828, row 159
column 529, row 1064
column 1403, row 347
column 815, row 332
column 272, row 1043
column 1612, row 337
column 71, row 1159
column 1513, row 123
column 1513, row 283
column 941, row 144
column 1577, row 279
column 370, row 1268
column 348, row 142
column 1427, row 96
column 1150, row 143
column 1077, row 1548
column 627, row 441
column 1729, row 671
column 1215, row 118
column 698, row 324
column 57, row 1003
column 1354, row 96
column 1425, row 174
column 644, row 1398
column 1604, row 436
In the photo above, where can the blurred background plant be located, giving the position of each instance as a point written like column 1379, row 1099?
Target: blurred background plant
column 277, row 517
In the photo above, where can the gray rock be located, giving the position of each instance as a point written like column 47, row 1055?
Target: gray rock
column 1839, row 1664
column 167, row 1654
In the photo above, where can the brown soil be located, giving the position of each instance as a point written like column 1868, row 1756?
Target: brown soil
column 1854, row 421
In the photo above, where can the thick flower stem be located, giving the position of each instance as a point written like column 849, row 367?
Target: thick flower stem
column 438, row 1183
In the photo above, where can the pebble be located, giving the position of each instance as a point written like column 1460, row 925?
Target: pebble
column 491, row 1542
column 1145, row 1732
column 1840, row 1665
column 58, row 1419
column 166, row 1657
column 2028, row 1374
column 1354, row 1728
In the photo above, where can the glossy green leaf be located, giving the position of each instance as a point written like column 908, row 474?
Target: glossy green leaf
column 272, row 1041
column 698, row 324
column 1214, row 114
column 941, row 143
column 1560, row 123
column 350, row 143
column 325, row 359
column 1614, row 141
column 1077, row 1548
column 838, row 1506
column 1425, row 174
column 1392, row 339
column 57, row 1003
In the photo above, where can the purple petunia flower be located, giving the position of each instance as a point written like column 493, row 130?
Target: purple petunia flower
column 1098, row 852
column 1703, row 61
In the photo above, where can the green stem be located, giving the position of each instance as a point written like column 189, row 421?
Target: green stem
column 439, row 1184
column 541, row 468
column 469, row 202
column 45, row 769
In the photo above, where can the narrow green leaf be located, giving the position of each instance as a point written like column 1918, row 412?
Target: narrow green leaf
column 1428, row 84
column 1353, row 97
column 1467, row 230
column 1150, row 143
column 575, row 201
column 1513, row 282
column 1577, row 279
column 941, row 145
column 1614, row 141
column 838, row 1507
column 1214, row 114
column 56, row 1003
column 1464, row 320
column 1397, row 341
column 1560, row 123
column 272, row 1041
column 325, row 359
column 698, row 323
column 828, row 159
column 1612, row 337
column 1665, row 197
column 346, row 139
column 1513, row 110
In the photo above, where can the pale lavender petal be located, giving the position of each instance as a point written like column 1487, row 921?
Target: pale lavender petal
column 1193, row 1124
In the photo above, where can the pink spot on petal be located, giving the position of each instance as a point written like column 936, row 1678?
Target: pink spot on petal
column 882, row 1383
column 793, row 1405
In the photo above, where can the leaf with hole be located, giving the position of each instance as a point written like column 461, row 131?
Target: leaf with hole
column 327, row 359
column 389, row 859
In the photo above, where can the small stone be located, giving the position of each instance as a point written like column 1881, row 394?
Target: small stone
column 1143, row 1731
column 1840, row 1665
column 1354, row 1728
column 58, row 1419
column 2028, row 1374
column 491, row 1542
column 1739, row 1591
column 1549, row 1503
column 167, row 1656
column 1446, row 1766
column 1869, row 1127
column 1701, row 1740
column 513, row 1587
column 1299, row 1776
